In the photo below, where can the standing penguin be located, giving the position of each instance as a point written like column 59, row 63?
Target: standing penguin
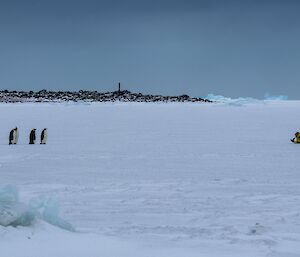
column 16, row 135
column 13, row 136
column 32, row 137
column 44, row 136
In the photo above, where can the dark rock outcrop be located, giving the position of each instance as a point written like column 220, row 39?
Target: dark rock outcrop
column 90, row 96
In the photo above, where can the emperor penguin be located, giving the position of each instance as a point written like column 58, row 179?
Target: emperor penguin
column 16, row 135
column 44, row 136
column 32, row 137
column 13, row 136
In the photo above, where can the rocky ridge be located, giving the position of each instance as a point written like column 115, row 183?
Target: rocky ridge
column 90, row 96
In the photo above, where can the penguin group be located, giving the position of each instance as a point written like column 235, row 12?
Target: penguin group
column 14, row 136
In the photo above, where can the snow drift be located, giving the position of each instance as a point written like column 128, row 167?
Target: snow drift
column 244, row 100
column 232, row 101
column 15, row 213
column 276, row 98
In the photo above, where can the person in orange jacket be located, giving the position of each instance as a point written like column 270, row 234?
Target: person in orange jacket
column 296, row 139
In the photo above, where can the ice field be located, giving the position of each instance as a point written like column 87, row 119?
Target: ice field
column 156, row 180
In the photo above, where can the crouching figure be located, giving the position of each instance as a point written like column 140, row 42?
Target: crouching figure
column 296, row 139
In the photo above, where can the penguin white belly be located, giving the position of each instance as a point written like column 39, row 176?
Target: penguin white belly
column 44, row 140
column 14, row 137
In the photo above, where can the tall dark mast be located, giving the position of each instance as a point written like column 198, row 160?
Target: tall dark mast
column 119, row 88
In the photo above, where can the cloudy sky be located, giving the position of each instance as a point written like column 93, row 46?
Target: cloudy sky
column 228, row 47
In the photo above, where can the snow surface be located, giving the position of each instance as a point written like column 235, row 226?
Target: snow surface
column 244, row 100
column 156, row 179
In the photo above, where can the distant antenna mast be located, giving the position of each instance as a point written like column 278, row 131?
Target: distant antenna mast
column 119, row 87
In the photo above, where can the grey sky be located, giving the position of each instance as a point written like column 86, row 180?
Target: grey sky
column 233, row 48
